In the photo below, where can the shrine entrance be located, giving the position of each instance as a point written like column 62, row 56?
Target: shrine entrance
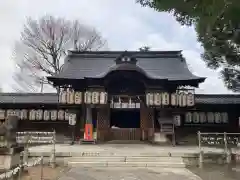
column 125, row 124
column 125, row 118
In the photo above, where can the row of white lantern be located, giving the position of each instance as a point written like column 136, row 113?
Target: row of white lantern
column 181, row 99
column 36, row 114
column 71, row 97
column 209, row 117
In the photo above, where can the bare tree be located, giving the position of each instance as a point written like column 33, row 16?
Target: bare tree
column 44, row 43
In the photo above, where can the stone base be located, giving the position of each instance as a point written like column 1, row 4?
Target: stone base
column 160, row 138
column 9, row 158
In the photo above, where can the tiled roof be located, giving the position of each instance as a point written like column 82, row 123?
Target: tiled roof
column 25, row 98
column 52, row 98
column 156, row 64
column 217, row 99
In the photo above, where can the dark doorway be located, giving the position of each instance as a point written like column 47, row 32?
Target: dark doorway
column 125, row 118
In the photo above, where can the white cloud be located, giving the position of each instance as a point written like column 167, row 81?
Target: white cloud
column 124, row 24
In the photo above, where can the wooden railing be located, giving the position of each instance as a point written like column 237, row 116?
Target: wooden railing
column 125, row 133
column 224, row 140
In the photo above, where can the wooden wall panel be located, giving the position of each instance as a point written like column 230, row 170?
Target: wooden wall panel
column 103, row 123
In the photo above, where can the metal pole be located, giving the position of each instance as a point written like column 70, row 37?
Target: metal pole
column 21, row 167
column 200, row 160
column 41, row 175
column 53, row 155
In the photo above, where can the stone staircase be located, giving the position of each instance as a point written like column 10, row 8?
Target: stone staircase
column 126, row 161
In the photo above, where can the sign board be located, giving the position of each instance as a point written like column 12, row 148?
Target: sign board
column 72, row 119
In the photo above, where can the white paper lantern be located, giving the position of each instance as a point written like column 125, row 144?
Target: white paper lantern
column 39, row 114
column 95, row 97
column 70, row 97
column 32, row 115
column 202, row 117
column 10, row 112
column 2, row 114
column 180, row 99
column 88, row 97
column 24, row 114
column 66, row 116
column 137, row 105
column 72, row 119
column 63, row 97
column 61, row 115
column 188, row 117
column 165, row 98
column 78, row 97
column 103, row 97
column 190, row 99
column 53, row 114
column 46, row 115
column 157, row 99
column 149, row 99
column 224, row 117
column 174, row 99
column 18, row 112
column 184, row 100
column 177, row 120
column 217, row 117
column 210, row 117
column 196, row 118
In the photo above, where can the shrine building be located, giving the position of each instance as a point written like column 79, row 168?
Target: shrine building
column 124, row 95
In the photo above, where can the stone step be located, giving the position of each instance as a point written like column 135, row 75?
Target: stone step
column 125, row 159
column 126, row 164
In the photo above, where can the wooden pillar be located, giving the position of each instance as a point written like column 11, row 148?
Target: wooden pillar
column 147, row 122
column 103, row 123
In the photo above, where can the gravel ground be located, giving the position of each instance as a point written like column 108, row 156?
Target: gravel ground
column 128, row 174
column 216, row 172
column 34, row 173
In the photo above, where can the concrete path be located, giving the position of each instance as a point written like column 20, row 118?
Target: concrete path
column 142, row 149
column 129, row 174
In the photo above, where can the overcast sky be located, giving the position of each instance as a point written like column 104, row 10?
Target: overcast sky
column 125, row 25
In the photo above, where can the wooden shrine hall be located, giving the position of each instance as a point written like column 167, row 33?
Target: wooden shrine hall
column 124, row 95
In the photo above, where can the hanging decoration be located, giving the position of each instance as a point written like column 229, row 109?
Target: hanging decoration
column 32, row 115
column 174, row 99
column 70, row 96
column 24, row 114
column 210, row 117
column 224, row 117
column 46, row 115
column 95, row 97
column 217, row 117
column 39, row 114
column 61, row 115
column 165, row 98
column 78, row 98
column 188, row 117
column 190, row 99
column 180, row 99
column 196, row 118
column 66, row 116
column 103, row 98
column 177, row 120
column 2, row 114
column 150, row 99
column 202, row 117
column 63, row 97
column 207, row 118
column 53, row 114
column 157, row 99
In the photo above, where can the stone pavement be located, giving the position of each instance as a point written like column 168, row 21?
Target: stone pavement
column 140, row 149
column 129, row 174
